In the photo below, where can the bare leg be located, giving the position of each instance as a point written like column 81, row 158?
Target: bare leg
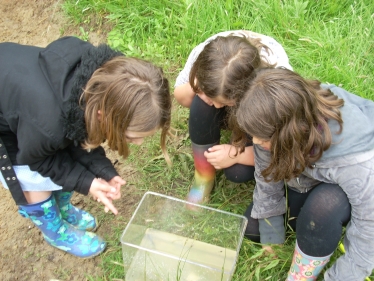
column 36, row 196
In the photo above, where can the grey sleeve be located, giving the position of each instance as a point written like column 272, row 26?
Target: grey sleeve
column 268, row 197
column 269, row 202
column 272, row 230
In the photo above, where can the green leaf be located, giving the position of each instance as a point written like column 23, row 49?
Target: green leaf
column 271, row 265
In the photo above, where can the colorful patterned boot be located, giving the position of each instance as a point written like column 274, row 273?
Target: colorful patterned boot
column 60, row 234
column 304, row 267
column 73, row 215
column 204, row 175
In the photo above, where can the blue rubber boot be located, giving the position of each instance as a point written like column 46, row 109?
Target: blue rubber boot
column 60, row 234
column 73, row 215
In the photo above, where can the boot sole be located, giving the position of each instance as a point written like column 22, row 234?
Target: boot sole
column 84, row 258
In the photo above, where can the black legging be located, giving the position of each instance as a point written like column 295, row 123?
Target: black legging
column 318, row 216
column 205, row 124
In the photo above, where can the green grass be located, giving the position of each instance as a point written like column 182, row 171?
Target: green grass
column 331, row 40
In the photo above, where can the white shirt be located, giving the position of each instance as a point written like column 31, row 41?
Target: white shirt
column 275, row 55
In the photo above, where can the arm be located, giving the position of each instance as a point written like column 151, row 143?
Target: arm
column 184, row 94
column 64, row 171
column 48, row 154
column 72, row 175
column 223, row 156
column 95, row 161
column 269, row 202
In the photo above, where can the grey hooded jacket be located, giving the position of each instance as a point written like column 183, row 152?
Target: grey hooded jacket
column 349, row 162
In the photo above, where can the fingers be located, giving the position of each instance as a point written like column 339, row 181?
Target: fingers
column 107, row 188
column 104, row 193
column 107, row 203
column 102, row 185
column 119, row 180
column 214, row 163
column 210, row 155
column 215, row 148
column 114, row 196
column 268, row 249
column 116, row 182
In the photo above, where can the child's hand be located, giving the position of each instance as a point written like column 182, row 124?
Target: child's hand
column 99, row 190
column 269, row 250
column 116, row 182
column 221, row 156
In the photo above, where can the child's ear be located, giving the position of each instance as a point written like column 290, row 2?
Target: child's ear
column 99, row 115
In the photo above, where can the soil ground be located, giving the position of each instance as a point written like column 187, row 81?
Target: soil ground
column 24, row 255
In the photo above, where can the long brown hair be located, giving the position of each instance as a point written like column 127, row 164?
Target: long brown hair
column 132, row 94
column 292, row 113
column 224, row 65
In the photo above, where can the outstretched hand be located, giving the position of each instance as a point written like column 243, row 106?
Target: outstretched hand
column 116, row 182
column 221, row 156
column 103, row 192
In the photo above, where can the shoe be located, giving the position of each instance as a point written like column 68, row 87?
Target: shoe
column 73, row 215
column 60, row 234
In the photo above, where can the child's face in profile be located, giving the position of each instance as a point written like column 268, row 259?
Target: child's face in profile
column 220, row 101
column 137, row 138
column 264, row 144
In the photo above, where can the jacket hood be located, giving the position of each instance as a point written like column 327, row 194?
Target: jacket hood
column 357, row 136
column 68, row 63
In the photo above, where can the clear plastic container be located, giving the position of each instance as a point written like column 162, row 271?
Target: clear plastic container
column 172, row 239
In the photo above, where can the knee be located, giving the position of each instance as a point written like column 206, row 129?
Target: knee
column 239, row 173
column 329, row 201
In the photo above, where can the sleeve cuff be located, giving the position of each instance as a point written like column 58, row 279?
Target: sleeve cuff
column 272, row 230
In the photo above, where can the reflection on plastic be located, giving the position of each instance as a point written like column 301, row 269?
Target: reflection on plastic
column 198, row 261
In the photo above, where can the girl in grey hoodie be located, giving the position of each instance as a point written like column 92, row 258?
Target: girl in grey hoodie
column 314, row 150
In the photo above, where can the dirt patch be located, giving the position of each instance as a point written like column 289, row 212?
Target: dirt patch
column 24, row 255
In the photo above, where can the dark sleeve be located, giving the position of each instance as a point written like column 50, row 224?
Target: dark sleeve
column 95, row 161
column 64, row 171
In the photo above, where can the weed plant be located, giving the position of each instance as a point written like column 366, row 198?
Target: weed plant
column 330, row 40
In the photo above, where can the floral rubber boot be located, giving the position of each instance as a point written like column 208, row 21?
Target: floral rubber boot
column 304, row 267
column 204, row 175
column 73, row 215
column 60, row 234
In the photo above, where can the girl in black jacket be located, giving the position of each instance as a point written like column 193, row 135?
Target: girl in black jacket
column 58, row 105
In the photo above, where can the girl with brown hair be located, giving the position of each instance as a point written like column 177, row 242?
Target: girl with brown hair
column 212, row 81
column 314, row 154
column 59, row 104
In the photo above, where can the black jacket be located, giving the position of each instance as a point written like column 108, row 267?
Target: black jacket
column 41, row 122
